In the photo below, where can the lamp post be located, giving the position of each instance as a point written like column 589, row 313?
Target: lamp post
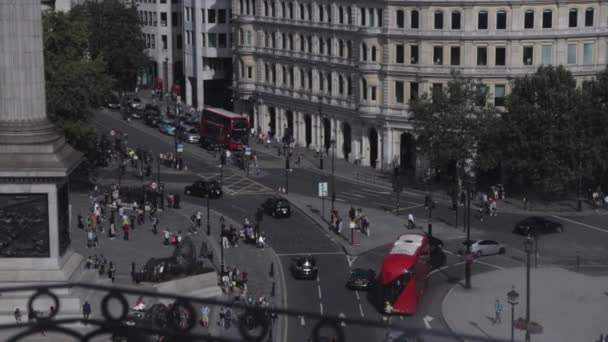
column 333, row 173
column 468, row 255
column 286, row 165
column 208, row 223
column 222, row 163
column 222, row 249
column 513, row 297
column 528, row 249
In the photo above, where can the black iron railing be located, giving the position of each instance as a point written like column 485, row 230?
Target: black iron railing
column 177, row 321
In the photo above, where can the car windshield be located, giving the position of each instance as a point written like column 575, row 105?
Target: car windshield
column 193, row 131
column 306, row 263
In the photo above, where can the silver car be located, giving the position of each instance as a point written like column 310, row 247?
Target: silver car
column 190, row 135
column 487, row 247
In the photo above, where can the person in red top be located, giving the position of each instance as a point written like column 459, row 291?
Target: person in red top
column 125, row 229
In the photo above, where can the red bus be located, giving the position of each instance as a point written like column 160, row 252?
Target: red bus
column 405, row 271
column 228, row 129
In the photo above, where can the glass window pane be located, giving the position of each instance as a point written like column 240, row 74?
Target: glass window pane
column 546, row 55
column 572, row 54
column 588, row 53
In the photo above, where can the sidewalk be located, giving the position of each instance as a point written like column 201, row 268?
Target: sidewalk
column 369, row 176
column 569, row 306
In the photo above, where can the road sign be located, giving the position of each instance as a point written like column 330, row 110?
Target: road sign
column 180, row 148
column 247, row 151
column 322, row 189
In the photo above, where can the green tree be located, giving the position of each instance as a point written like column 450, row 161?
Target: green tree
column 75, row 84
column 453, row 125
column 541, row 147
column 115, row 36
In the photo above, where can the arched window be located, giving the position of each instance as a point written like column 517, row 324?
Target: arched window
column 340, row 85
column 364, row 88
column 373, row 53
column 547, row 18
column 302, row 43
column 589, row 17
column 283, row 10
column 573, row 17
column 321, row 82
column 482, row 20
column 329, row 46
column 241, row 37
column 414, row 19
column 309, row 11
column 284, row 41
column 321, row 46
column 329, row 83
column 349, row 47
column 364, row 52
column 349, row 85
column 340, row 48
column 266, row 8
column 501, row 20
column 321, row 14
column 438, row 20
column 529, row 19
column 302, row 12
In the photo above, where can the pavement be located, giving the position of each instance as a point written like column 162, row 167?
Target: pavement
column 569, row 306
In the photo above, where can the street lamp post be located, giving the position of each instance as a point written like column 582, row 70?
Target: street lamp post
column 286, row 166
column 468, row 256
column 208, row 223
column 528, row 249
column 333, row 173
column 513, row 297
column 222, row 249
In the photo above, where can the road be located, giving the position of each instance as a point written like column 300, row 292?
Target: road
column 298, row 235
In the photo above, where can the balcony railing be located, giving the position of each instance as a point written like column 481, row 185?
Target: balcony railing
column 177, row 321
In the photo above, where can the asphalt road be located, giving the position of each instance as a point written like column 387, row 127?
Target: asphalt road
column 298, row 235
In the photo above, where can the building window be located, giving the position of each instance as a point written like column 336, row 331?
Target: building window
column 400, row 53
column 482, row 55
column 349, row 16
column 589, row 17
column 399, row 91
column 291, row 48
column 266, row 8
column 329, row 83
column 363, row 89
column 371, row 17
column 203, row 40
column 373, row 53
column 175, row 19
column 340, row 48
column 248, row 34
column 501, row 56
column 482, row 20
column 379, row 14
column 211, row 16
column 178, row 40
column 302, row 12
column 283, row 10
column 349, row 86
column 499, row 95
column 221, row 16
column 413, row 91
column 436, row 90
column 163, row 39
column 456, row 20
column 529, row 19
column 340, row 85
column 438, row 55
column 413, row 54
column 363, row 16
column 340, row 15
column 163, row 19
column 455, row 55
column 573, row 18
column 400, row 19
column 588, row 53
column 414, row 16
column 309, row 11
column 273, row 10
column 309, row 44
column 249, row 72
column 266, row 72
column 284, row 41
column 302, row 79
column 438, row 20
column 373, row 93
column 501, row 20
column 364, row 52
column 349, row 49
column 528, row 57
column 329, row 46
column 571, row 54
column 546, row 53
column 212, row 40
column 321, row 46
column 547, row 18
column 290, row 9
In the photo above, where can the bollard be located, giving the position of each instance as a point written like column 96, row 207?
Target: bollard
column 272, row 291
column 271, row 273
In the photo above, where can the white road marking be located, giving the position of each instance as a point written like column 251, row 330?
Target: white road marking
column 340, row 200
column 408, row 208
column 357, row 295
column 427, row 321
column 304, row 254
column 342, row 316
column 351, row 194
column 320, row 296
column 488, row 264
column 361, row 310
column 321, row 308
column 375, row 191
column 581, row 224
column 350, row 260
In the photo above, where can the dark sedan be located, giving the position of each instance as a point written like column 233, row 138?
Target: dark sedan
column 536, row 225
column 305, row 268
column 152, row 118
column 209, row 144
column 112, row 102
column 361, row 279
column 277, row 207
column 203, row 188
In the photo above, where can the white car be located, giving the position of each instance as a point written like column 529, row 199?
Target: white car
column 487, row 247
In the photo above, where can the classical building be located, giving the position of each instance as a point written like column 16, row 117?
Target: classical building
column 346, row 70
column 162, row 30
column 207, row 52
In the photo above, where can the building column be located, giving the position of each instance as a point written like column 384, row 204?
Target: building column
column 188, row 91
column 200, row 90
column 381, row 149
column 339, row 139
column 364, row 147
column 299, row 128
column 355, row 142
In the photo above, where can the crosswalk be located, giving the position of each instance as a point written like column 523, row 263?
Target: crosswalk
column 234, row 184
column 374, row 197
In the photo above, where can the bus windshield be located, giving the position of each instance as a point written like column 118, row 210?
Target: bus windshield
column 392, row 290
column 240, row 124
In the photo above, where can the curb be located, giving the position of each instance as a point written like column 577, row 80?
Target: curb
column 443, row 316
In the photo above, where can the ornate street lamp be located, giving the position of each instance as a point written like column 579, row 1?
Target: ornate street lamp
column 513, row 297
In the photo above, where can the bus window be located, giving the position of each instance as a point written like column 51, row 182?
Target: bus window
column 392, row 290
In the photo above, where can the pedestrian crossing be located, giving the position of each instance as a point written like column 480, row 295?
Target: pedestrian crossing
column 234, row 184
column 371, row 196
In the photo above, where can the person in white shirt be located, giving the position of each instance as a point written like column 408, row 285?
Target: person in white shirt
column 410, row 221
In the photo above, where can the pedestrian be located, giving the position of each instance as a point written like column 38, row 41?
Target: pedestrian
column 111, row 271
column 132, row 219
column 167, row 234
column 18, row 315
column 90, row 238
column 112, row 231
column 86, row 310
column 222, row 322
column 410, row 221
column 493, row 209
column 154, row 224
column 205, row 316
column 80, row 222
column 498, row 310
column 125, row 230
column 199, row 219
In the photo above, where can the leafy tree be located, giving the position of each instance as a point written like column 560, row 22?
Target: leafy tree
column 541, row 136
column 115, row 36
column 75, row 84
column 453, row 125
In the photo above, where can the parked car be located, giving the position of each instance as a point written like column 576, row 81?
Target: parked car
column 210, row 144
column 361, row 279
column 277, row 207
column 134, row 102
column 486, row 247
column 112, row 102
column 536, row 225
column 190, row 135
column 305, row 268
column 166, row 126
column 203, row 188
column 152, row 118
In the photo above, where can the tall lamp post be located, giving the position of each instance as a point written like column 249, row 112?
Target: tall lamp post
column 222, row 249
column 513, row 297
column 287, row 167
column 468, row 255
column 528, row 249
column 208, row 223
column 333, row 173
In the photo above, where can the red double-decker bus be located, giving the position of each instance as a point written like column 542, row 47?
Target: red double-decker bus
column 228, row 129
column 405, row 271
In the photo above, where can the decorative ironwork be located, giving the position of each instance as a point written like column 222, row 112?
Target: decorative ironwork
column 176, row 321
column 24, row 219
